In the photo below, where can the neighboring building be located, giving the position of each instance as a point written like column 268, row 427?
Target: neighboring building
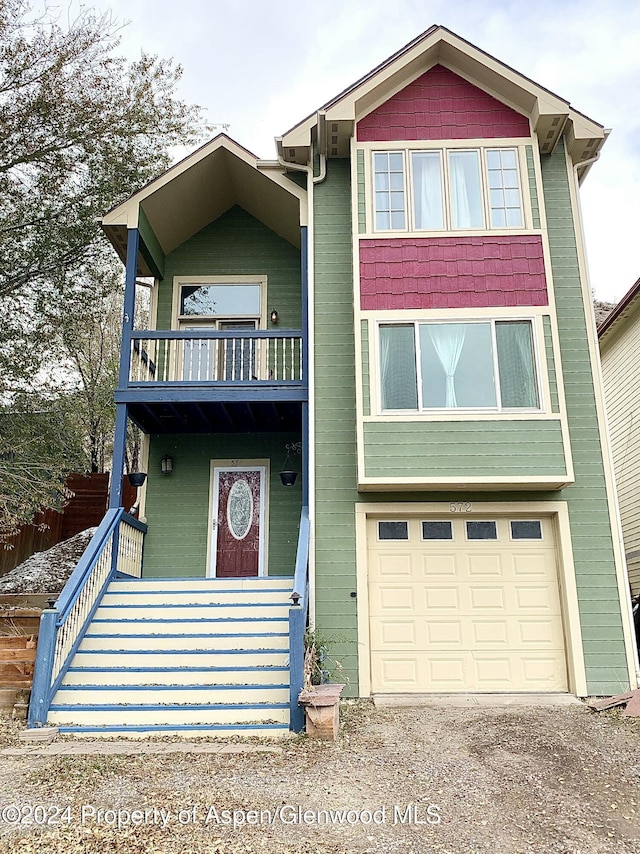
column 402, row 298
column 619, row 336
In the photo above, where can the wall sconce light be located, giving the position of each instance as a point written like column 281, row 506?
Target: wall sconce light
column 274, row 316
column 287, row 475
column 167, row 464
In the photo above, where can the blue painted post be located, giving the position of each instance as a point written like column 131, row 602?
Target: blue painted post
column 117, row 465
column 297, row 620
column 120, row 437
column 304, row 260
column 41, row 688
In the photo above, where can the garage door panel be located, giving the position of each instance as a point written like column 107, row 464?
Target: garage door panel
column 486, row 565
column 396, row 565
column 465, row 615
column 434, row 566
column 544, row 672
column 488, row 632
column 487, row 598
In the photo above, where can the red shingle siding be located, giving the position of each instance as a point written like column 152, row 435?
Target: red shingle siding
column 452, row 272
column 441, row 105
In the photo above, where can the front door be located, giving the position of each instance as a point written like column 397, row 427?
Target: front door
column 237, row 524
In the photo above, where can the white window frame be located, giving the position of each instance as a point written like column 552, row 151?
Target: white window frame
column 180, row 321
column 445, row 152
column 455, row 411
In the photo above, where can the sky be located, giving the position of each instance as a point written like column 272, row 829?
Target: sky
column 262, row 67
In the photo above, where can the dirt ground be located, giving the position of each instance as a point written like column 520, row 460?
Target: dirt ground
column 517, row 780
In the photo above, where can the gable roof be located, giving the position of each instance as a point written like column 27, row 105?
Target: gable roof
column 333, row 124
column 623, row 310
column 200, row 188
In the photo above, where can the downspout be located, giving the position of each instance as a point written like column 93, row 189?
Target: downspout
column 313, row 179
column 636, row 658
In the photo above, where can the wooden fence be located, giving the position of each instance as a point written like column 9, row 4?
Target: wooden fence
column 85, row 510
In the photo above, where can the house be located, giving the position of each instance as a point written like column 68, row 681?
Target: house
column 620, row 355
column 398, row 309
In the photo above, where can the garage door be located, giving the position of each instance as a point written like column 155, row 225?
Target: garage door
column 464, row 604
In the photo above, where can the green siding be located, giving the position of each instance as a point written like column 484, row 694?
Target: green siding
column 551, row 364
column 149, row 245
column 533, row 188
column 177, row 507
column 362, row 204
column 463, row 449
column 366, row 379
column 237, row 244
column 335, row 423
column 336, row 495
column 588, row 506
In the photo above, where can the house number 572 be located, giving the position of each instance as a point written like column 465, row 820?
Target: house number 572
column 461, row 507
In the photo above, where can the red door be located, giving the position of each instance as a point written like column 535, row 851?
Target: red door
column 237, row 528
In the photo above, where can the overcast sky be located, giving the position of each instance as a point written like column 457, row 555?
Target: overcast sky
column 262, row 67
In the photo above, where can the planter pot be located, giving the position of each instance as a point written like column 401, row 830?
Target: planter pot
column 322, row 710
column 288, row 478
column 137, row 478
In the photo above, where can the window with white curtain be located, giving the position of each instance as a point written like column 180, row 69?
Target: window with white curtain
column 473, row 365
column 447, row 189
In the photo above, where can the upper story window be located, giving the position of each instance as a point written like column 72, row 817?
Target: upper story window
column 220, row 300
column 484, row 365
column 447, row 189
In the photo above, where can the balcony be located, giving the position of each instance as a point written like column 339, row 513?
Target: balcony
column 211, row 380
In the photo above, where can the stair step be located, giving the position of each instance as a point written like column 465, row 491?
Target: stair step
column 168, row 695
column 100, row 714
column 265, row 675
column 182, row 658
column 260, row 730
column 192, row 611
column 213, row 642
column 283, row 583
column 225, row 625
column 189, row 596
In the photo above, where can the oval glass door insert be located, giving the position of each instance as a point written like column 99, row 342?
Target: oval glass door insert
column 240, row 509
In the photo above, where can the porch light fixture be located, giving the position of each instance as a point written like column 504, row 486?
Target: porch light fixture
column 166, row 464
column 287, row 475
column 274, row 316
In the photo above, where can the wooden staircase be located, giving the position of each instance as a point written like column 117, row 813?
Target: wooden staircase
column 182, row 657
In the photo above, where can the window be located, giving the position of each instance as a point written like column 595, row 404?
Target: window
column 468, row 365
column 433, row 190
column 526, row 530
column 220, row 300
column 437, row 531
column 482, row 531
column 226, row 305
column 393, row 530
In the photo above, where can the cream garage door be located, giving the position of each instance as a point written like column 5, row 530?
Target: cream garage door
column 464, row 604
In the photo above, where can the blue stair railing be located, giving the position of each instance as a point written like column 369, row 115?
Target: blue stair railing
column 298, row 622
column 115, row 548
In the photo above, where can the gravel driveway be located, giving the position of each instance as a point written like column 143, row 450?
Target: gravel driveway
column 449, row 780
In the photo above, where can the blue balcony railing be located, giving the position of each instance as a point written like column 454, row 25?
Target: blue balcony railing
column 211, row 356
